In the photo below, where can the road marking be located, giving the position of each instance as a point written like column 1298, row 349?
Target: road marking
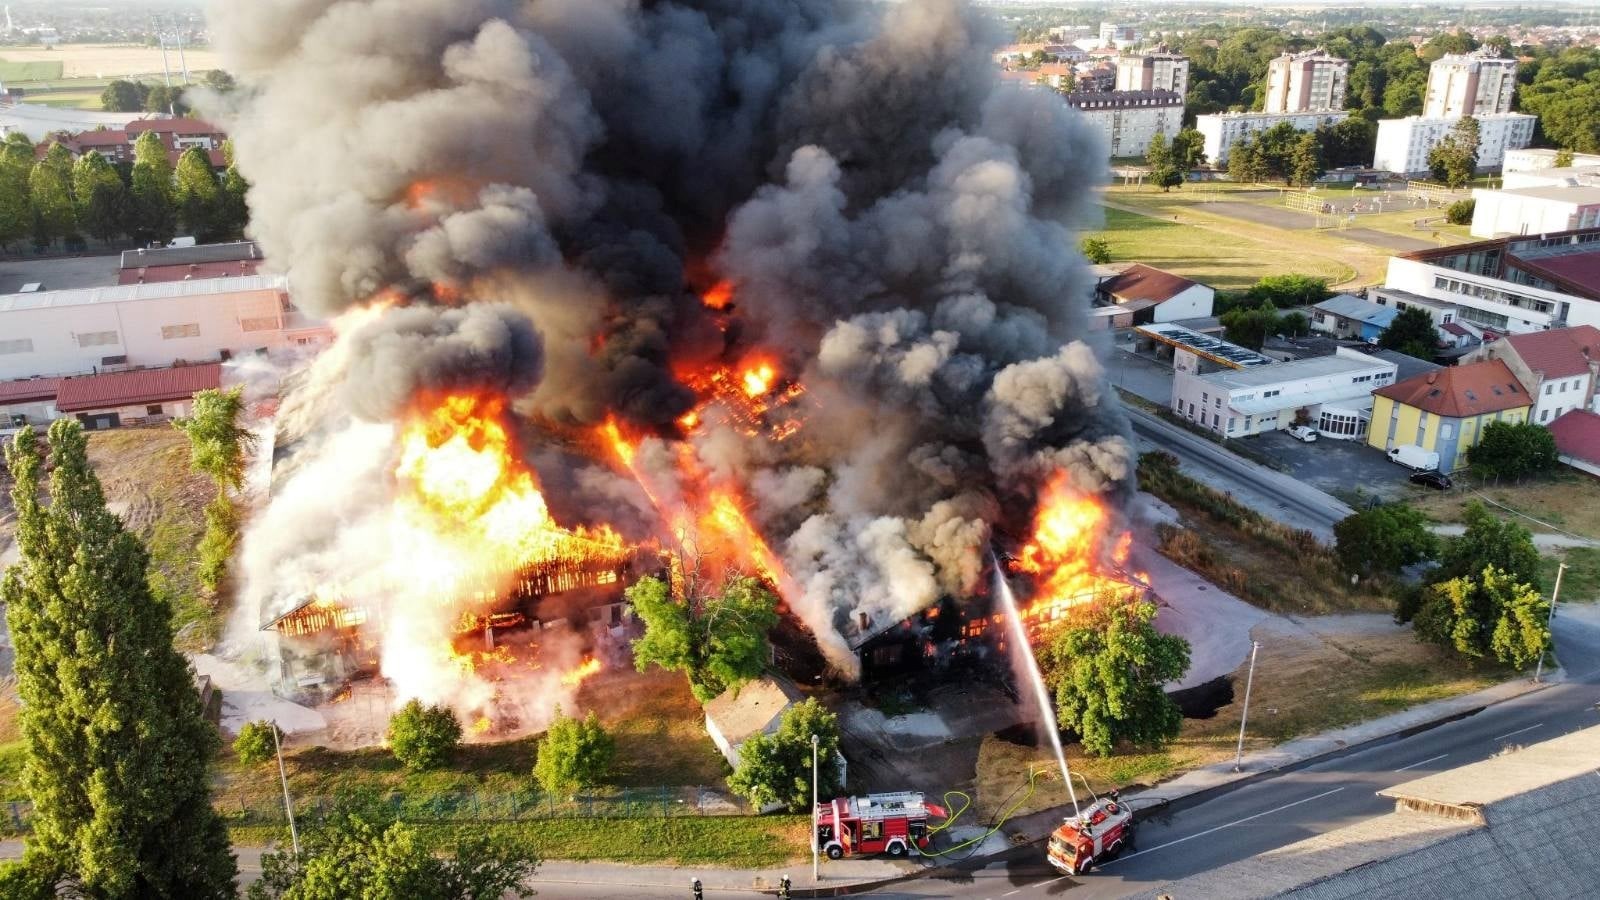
column 1518, row 731
column 1012, row 893
column 1228, row 825
column 1423, row 763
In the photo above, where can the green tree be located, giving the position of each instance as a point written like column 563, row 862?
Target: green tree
column 1384, row 539
column 196, row 191
column 718, row 642
column 1158, row 156
column 575, row 754
column 219, row 80
column 423, row 737
column 1188, row 150
column 100, row 196
column 215, row 549
column 218, row 445
column 1244, row 162
column 1490, row 615
column 255, row 743
column 1563, row 159
column 1513, row 450
column 1289, row 291
column 1249, row 326
column 116, row 748
column 1277, row 147
column 1460, row 212
column 122, row 95
column 1455, row 158
column 232, row 212
column 1096, row 250
column 1294, row 324
column 16, row 206
column 1488, row 541
column 1108, row 672
column 50, row 188
column 1411, row 332
column 152, row 216
column 776, row 768
column 162, row 99
column 1305, row 163
column 362, row 851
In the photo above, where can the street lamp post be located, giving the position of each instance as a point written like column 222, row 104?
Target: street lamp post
column 288, row 807
column 1554, row 596
column 1250, row 680
column 816, row 852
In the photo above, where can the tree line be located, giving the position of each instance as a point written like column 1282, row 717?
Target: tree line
column 53, row 199
column 1301, row 157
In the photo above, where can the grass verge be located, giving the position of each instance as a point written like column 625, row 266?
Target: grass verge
column 1566, row 500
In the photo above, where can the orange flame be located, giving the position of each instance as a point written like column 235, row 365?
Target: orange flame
column 581, row 673
column 1064, row 554
column 719, row 296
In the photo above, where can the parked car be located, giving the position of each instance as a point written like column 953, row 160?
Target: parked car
column 1432, row 478
column 1303, row 433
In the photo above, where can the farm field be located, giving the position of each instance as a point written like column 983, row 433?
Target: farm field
column 100, row 61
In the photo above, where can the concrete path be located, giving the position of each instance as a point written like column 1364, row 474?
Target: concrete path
column 1541, row 540
column 1216, row 623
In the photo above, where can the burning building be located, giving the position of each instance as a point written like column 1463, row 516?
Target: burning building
column 780, row 288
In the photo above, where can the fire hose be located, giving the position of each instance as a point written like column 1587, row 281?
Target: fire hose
column 966, row 804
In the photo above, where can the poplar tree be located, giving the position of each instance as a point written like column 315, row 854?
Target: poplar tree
column 50, row 187
column 116, row 747
column 153, row 218
column 217, row 447
column 16, row 206
column 100, row 195
column 196, row 191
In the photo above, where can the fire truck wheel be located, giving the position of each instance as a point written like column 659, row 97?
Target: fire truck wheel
column 835, row 851
column 896, row 849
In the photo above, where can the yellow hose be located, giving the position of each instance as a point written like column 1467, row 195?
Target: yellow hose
column 966, row 804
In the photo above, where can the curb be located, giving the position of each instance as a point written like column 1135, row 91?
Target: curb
column 1190, row 799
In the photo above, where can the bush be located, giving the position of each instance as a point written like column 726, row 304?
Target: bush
column 1288, row 291
column 1490, row 615
column 1513, row 450
column 254, row 743
column 1096, row 250
column 423, row 737
column 1384, row 539
column 1460, row 212
column 574, row 754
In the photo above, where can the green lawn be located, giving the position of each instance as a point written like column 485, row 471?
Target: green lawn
column 1225, row 258
column 1581, row 583
column 67, row 99
column 30, row 71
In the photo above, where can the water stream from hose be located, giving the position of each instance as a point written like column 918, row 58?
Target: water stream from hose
column 1019, row 638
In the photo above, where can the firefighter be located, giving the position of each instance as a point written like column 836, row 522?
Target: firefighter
column 783, row 887
column 694, row 885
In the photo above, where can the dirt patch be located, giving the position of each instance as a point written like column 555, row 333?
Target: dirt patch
column 1567, row 501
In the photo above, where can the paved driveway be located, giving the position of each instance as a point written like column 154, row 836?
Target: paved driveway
column 1337, row 467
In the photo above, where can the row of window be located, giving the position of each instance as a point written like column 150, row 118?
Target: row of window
column 112, row 338
column 1468, row 289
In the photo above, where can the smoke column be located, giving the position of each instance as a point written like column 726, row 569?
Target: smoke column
column 899, row 230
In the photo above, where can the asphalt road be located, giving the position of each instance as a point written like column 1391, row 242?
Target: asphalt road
column 1279, row 809
column 1258, row 487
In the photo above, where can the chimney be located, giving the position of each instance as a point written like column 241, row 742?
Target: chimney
column 865, row 622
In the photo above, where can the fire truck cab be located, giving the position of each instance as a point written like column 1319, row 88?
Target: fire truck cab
column 1104, row 830
column 875, row 823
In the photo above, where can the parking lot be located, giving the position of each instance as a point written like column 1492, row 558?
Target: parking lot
column 1337, row 467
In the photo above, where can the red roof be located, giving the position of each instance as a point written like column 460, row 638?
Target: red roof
column 28, row 390
column 133, row 388
column 172, row 126
column 92, row 139
column 153, row 274
column 1141, row 282
column 1560, row 352
column 1577, row 434
column 1461, row 391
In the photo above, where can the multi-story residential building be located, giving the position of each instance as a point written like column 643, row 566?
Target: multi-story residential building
column 1480, row 83
column 1511, row 285
column 176, row 135
column 1403, row 144
column 1312, row 81
column 1446, row 411
column 50, row 333
column 1119, row 36
column 1223, row 130
column 1559, row 367
column 1154, row 70
column 1130, row 119
column 1332, row 392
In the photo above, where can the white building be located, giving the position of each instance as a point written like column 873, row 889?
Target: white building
column 1587, row 174
column 1147, row 294
column 1560, row 368
column 1156, row 70
column 1532, row 159
column 148, row 325
column 1403, row 144
column 1333, row 393
column 1130, row 119
column 1312, row 81
column 1511, row 285
column 1223, row 130
column 1535, row 210
column 1118, row 36
column 1480, row 83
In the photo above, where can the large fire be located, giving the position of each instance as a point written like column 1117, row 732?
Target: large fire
column 1066, row 556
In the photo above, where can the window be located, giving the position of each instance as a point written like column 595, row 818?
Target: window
column 171, row 332
column 17, row 345
column 1544, row 416
column 153, row 409
column 1548, row 388
column 1266, row 394
column 97, row 338
column 267, row 323
column 1446, row 431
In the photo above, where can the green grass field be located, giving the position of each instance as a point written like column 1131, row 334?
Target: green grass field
column 1223, row 259
column 29, row 71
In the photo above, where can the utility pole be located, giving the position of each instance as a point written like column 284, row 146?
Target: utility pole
column 288, row 807
column 1250, row 680
column 816, row 851
column 1554, row 596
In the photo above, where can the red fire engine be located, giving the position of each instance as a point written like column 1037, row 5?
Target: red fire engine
column 1104, row 830
column 876, row 823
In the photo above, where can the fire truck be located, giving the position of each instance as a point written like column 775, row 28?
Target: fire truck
column 1104, row 830
column 876, row 823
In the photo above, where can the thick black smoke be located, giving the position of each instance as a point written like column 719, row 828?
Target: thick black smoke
column 898, row 226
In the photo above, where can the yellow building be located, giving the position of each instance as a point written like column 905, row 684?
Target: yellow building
column 1446, row 411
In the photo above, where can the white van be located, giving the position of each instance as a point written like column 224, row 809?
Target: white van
column 1414, row 457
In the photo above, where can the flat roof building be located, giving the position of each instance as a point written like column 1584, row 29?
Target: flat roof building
column 1312, row 81
column 1129, row 120
column 1331, row 393
column 1511, row 285
column 1154, row 70
column 1480, row 83
column 1223, row 130
column 1403, row 144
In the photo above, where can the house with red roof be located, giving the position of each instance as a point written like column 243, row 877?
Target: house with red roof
column 1577, row 435
column 1559, row 367
column 1445, row 411
column 1152, row 295
column 135, row 397
column 28, row 401
column 176, row 135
